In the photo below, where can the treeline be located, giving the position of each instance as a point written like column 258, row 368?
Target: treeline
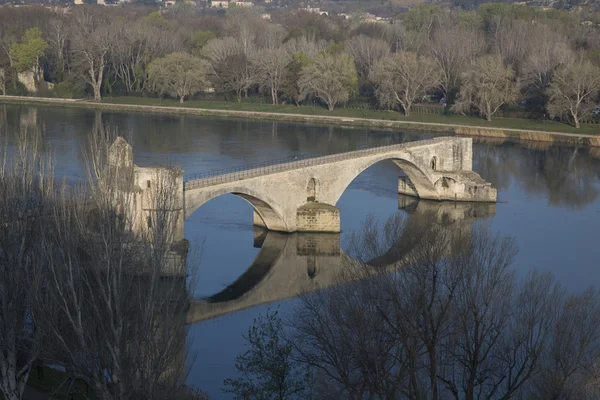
column 478, row 63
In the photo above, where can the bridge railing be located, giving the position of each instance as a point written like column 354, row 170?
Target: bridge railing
column 288, row 163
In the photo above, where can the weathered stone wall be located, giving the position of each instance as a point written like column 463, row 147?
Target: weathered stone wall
column 318, row 217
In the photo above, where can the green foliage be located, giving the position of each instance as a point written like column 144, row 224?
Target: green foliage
column 492, row 12
column 421, row 16
column 154, row 18
column 199, row 40
column 290, row 88
column 26, row 55
column 336, row 49
column 63, row 90
column 267, row 368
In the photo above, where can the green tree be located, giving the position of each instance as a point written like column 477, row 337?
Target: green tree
column 330, row 78
column 199, row 40
column 421, row 17
column 154, row 18
column 291, row 88
column 27, row 54
column 267, row 368
column 179, row 75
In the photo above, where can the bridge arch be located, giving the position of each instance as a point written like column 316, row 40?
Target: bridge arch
column 262, row 205
column 420, row 178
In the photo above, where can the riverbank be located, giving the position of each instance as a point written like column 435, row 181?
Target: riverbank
column 508, row 128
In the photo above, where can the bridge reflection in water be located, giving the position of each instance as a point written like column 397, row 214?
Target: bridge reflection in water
column 291, row 264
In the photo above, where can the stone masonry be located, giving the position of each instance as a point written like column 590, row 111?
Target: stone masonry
column 301, row 195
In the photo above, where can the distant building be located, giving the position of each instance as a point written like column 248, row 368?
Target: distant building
column 219, row 3
column 315, row 10
column 228, row 3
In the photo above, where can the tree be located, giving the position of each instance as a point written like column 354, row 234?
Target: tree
column 178, row 75
column 119, row 322
column 199, row 39
column 453, row 47
column 26, row 186
column 138, row 44
column 26, row 55
column 329, row 78
column 548, row 49
column 366, row 52
column 268, row 68
column 443, row 317
column 403, row 78
column 229, row 65
column 267, row 368
column 290, row 87
column 3, row 81
column 573, row 90
column 487, row 85
column 57, row 40
column 92, row 41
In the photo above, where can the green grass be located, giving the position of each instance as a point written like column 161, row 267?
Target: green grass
column 512, row 123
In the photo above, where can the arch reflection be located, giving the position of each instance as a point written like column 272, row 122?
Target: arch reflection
column 291, row 264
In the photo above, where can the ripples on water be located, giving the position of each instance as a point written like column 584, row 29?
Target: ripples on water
column 549, row 202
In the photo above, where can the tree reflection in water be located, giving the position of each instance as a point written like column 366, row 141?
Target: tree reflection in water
column 567, row 176
column 447, row 319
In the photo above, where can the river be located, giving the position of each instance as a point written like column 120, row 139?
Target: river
column 548, row 199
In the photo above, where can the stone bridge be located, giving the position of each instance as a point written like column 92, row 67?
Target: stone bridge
column 289, row 265
column 300, row 195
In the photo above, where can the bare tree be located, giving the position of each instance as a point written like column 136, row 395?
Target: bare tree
column 404, row 78
column 3, row 81
column 121, row 289
column 487, row 85
column 139, row 43
column 92, row 41
column 548, row 50
column 58, row 37
column 508, row 41
column 229, row 64
column 453, row 47
column 268, row 68
column 366, row 52
column 573, row 90
column 308, row 46
column 447, row 319
column 567, row 367
column 26, row 186
column 329, row 78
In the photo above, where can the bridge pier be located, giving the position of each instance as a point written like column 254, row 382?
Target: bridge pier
column 311, row 217
column 452, row 186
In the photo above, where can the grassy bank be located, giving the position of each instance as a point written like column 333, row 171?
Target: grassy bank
column 509, row 123
column 513, row 128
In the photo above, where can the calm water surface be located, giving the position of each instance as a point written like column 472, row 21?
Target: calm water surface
column 549, row 200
